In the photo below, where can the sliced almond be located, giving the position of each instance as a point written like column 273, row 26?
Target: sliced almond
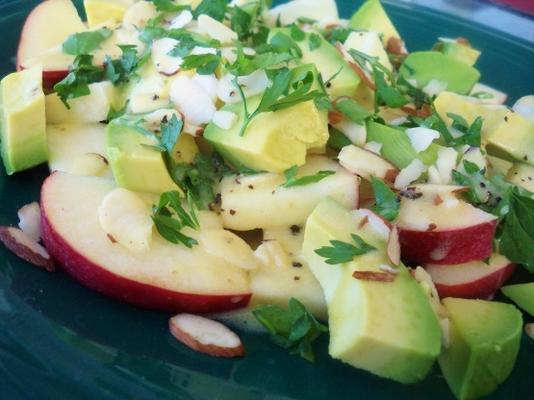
column 206, row 336
column 26, row 248
column 30, row 220
column 374, row 276
column 393, row 248
column 529, row 330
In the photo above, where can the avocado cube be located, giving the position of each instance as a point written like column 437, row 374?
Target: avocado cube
column 23, row 129
column 521, row 294
column 484, row 342
column 513, row 139
column 135, row 163
column 371, row 16
column 422, row 67
column 458, row 49
column 386, row 328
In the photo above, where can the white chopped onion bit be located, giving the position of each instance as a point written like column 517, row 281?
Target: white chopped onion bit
column 229, row 53
column 208, row 83
column 165, row 64
column 445, row 163
column 30, row 220
column 409, row 174
column 393, row 246
column 181, row 20
column 215, row 29
column 529, row 330
column 356, row 133
column 206, row 335
column 192, row 101
column 525, row 107
column 398, row 121
column 421, row 138
column 435, row 87
column 224, row 119
column 474, row 155
column 388, row 268
column 374, row 147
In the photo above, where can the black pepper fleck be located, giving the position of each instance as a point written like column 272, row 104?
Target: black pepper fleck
column 295, row 229
column 297, row 264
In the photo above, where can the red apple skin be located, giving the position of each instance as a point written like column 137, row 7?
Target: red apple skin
column 137, row 293
column 459, row 246
column 50, row 78
column 482, row 288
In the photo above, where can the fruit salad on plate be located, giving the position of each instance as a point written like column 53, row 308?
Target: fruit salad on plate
column 280, row 163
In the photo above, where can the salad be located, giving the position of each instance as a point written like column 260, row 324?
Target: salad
column 303, row 169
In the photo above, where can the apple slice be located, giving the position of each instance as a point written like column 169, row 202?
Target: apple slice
column 46, row 28
column 366, row 163
column 167, row 277
column 472, row 280
column 435, row 227
column 260, row 201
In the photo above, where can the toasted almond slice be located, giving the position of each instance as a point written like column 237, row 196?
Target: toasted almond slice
column 26, row 248
column 393, row 248
column 206, row 336
column 30, row 220
column 374, row 276
column 529, row 330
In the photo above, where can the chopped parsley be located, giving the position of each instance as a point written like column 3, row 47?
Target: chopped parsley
column 205, row 64
column 470, row 133
column 292, row 180
column 351, row 109
column 170, row 218
column 341, row 252
column 216, row 9
column 387, row 202
column 294, row 329
column 85, row 42
column 169, row 6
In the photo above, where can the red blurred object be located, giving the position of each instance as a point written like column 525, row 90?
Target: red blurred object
column 526, row 6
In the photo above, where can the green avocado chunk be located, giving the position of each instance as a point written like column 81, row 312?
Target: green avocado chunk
column 458, row 49
column 422, row 67
column 387, row 328
column 371, row 16
column 23, row 129
column 343, row 81
column 273, row 141
column 135, row 164
column 484, row 342
column 521, row 294
column 513, row 139
column 396, row 146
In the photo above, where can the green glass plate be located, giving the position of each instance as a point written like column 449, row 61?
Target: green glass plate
column 59, row 340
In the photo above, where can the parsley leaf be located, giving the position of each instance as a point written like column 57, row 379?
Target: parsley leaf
column 240, row 21
column 386, row 201
column 113, row 113
column 294, row 329
column 121, row 70
column 342, row 252
column 282, row 43
column 76, row 83
column 170, row 132
column 517, row 231
column 169, row 6
column 170, row 218
column 292, row 180
column 471, row 133
column 85, row 42
column 315, row 41
column 296, row 33
column 205, row 64
column 352, row 110
column 199, row 178
column 214, row 8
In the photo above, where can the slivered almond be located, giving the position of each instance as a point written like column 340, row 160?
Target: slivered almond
column 26, row 248
column 334, row 117
column 30, row 220
column 206, row 336
column 529, row 330
column 374, row 276
column 422, row 112
column 438, row 200
column 393, row 247
column 396, row 46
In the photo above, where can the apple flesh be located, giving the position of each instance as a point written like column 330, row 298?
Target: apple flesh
column 167, row 277
column 472, row 280
column 438, row 228
column 40, row 35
